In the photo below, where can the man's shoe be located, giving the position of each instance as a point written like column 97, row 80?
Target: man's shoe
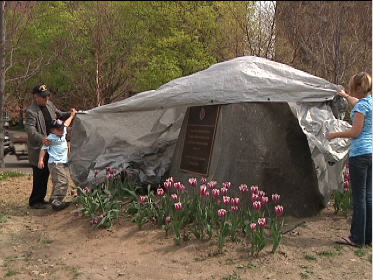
column 38, row 205
column 59, row 205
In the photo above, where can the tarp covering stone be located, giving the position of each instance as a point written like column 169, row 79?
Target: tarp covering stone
column 139, row 133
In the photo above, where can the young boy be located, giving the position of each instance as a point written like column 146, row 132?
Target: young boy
column 57, row 162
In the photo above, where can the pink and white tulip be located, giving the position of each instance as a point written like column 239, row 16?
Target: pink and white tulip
column 174, row 197
column 227, row 185
column 234, row 208
column 168, row 219
column 279, row 210
column 235, row 201
column 202, row 190
column 222, row 212
column 254, row 197
column 193, row 182
column 243, row 188
column 143, row 198
column 226, row 200
column 212, row 184
column 257, row 205
column 265, row 200
column 223, row 191
column 253, row 226
column 254, row 189
column 167, row 185
column 276, row 198
column 178, row 206
column 215, row 193
column 203, row 180
column 262, row 222
column 160, row 192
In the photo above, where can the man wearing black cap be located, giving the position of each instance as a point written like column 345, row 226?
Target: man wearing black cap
column 38, row 122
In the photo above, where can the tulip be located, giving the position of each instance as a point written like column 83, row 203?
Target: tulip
column 143, row 198
column 87, row 189
column 110, row 196
column 243, row 188
column 171, row 179
column 174, row 197
column 261, row 193
column 212, row 184
column 222, row 212
column 254, row 197
column 226, row 200
column 254, row 189
column 276, row 198
column 96, row 172
column 346, row 186
column 347, row 176
column 235, row 201
column 202, row 190
column 203, row 180
column 279, row 210
column 234, row 208
column 168, row 219
column 207, row 193
column 179, row 186
column 265, row 200
column 253, row 226
column 215, row 193
column 223, row 191
column 167, row 185
column 160, row 192
column 193, row 182
column 227, row 185
column 178, row 206
column 257, row 205
column 262, row 222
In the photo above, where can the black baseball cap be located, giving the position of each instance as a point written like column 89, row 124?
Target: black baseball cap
column 57, row 124
column 41, row 89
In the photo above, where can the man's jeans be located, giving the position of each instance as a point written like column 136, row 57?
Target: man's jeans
column 361, row 184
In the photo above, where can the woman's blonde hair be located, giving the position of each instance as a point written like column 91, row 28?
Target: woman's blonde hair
column 363, row 80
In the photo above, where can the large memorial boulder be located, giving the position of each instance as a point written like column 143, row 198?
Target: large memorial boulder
column 254, row 143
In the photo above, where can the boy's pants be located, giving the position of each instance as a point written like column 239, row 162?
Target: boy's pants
column 59, row 174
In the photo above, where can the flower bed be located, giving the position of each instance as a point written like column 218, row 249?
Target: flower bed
column 199, row 208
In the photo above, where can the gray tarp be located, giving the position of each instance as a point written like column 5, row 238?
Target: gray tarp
column 139, row 133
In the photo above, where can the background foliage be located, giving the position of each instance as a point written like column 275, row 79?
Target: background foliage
column 92, row 53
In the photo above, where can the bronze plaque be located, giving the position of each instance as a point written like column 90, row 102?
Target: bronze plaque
column 199, row 139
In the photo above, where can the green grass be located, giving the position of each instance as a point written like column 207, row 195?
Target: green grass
column 10, row 174
column 326, row 253
column 304, row 275
column 360, row 252
column 310, row 258
column 11, row 273
column 4, row 218
column 233, row 276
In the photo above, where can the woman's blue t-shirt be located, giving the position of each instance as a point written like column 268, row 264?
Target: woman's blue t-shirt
column 362, row 145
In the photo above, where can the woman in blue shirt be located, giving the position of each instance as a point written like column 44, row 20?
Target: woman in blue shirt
column 360, row 158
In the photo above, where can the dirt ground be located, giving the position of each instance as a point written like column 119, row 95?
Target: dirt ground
column 43, row 244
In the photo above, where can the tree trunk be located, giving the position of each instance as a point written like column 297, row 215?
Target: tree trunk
column 2, row 79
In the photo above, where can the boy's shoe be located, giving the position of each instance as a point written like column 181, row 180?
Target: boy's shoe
column 59, row 205
column 38, row 205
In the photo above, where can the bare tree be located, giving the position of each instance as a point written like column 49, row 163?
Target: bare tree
column 330, row 39
column 2, row 79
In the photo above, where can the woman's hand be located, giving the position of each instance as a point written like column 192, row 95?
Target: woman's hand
column 342, row 93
